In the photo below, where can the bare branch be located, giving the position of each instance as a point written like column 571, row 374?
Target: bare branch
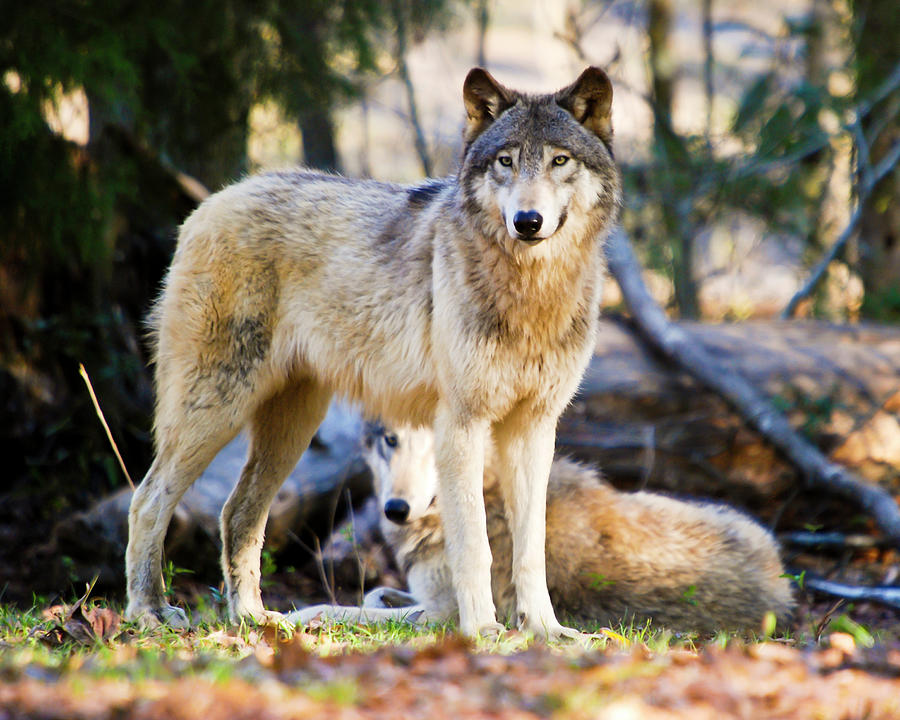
column 884, row 594
column 833, row 540
column 403, row 69
column 870, row 180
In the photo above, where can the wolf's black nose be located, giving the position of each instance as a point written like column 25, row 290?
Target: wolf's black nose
column 527, row 223
column 396, row 510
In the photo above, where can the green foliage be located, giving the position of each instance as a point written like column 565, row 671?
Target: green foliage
column 268, row 567
column 170, row 572
column 687, row 596
column 798, row 578
column 882, row 305
column 815, row 410
column 598, row 581
column 861, row 635
column 775, row 169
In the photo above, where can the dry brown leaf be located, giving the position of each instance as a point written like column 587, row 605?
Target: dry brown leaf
column 85, row 626
column 103, row 622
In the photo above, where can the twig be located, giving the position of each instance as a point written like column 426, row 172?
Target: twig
column 884, row 594
column 87, row 381
column 708, row 67
column 823, row 623
column 887, row 163
column 679, row 346
column 840, row 541
column 818, row 272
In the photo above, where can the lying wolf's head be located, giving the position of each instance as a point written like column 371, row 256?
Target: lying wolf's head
column 403, row 469
column 533, row 164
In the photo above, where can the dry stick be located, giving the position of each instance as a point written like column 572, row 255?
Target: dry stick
column 87, row 381
column 884, row 594
column 678, row 345
column 888, row 163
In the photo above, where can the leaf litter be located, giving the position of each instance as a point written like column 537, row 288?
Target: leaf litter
column 309, row 674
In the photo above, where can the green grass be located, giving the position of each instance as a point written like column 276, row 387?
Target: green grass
column 215, row 649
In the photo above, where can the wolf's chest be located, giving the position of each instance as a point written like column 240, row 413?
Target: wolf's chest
column 538, row 371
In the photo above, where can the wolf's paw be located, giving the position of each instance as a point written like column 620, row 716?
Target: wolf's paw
column 566, row 633
column 150, row 618
column 491, row 631
column 261, row 617
column 551, row 629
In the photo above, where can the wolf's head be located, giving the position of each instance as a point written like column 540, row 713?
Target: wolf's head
column 533, row 164
column 403, row 468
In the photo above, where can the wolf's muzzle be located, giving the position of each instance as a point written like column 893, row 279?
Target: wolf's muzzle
column 527, row 223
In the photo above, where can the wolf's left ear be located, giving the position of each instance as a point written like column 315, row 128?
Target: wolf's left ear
column 485, row 99
column 589, row 99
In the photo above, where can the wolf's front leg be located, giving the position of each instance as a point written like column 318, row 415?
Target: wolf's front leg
column 459, row 452
column 524, row 447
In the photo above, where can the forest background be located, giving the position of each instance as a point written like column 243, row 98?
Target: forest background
column 759, row 143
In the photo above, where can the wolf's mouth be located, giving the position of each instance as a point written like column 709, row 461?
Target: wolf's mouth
column 530, row 240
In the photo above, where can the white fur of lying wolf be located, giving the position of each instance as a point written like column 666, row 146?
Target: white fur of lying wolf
column 610, row 555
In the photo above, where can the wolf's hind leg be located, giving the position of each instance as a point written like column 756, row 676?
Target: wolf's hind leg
column 182, row 455
column 280, row 431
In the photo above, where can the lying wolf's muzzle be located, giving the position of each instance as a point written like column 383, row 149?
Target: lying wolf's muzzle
column 528, row 223
column 396, row 510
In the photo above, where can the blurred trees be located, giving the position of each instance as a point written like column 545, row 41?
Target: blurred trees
column 832, row 83
column 877, row 59
column 89, row 227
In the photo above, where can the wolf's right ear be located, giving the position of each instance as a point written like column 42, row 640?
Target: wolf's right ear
column 589, row 99
column 485, row 99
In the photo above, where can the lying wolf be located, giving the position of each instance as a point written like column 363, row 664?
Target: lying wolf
column 468, row 304
column 611, row 555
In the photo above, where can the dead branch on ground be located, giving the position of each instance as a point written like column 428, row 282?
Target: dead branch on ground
column 680, row 347
column 883, row 594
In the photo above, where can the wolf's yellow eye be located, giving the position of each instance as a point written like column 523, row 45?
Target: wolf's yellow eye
column 391, row 440
column 505, row 160
column 560, row 160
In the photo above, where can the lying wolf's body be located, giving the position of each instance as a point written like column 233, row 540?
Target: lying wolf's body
column 468, row 304
column 611, row 555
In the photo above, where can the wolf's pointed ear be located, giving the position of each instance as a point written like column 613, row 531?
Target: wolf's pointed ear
column 589, row 99
column 485, row 99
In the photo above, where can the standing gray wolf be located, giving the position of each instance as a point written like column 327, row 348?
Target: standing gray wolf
column 468, row 304
column 610, row 555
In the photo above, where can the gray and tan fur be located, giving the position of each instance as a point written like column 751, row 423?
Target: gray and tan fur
column 610, row 555
column 468, row 304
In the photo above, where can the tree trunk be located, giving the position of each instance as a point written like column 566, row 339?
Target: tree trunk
column 402, row 38
column 483, row 18
column 317, row 130
column 676, row 217
column 877, row 54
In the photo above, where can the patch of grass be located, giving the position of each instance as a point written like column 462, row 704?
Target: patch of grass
column 216, row 650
